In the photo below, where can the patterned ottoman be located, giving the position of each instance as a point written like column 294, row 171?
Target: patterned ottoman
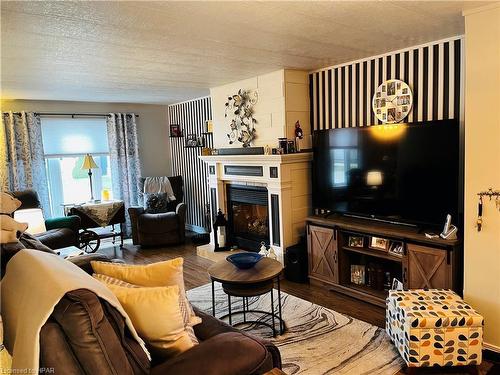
column 434, row 328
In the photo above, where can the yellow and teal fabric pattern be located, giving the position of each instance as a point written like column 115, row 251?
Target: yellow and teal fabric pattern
column 434, row 328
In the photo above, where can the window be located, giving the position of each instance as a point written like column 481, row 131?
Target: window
column 65, row 143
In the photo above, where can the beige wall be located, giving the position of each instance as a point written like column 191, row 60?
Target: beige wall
column 152, row 127
column 482, row 166
column 297, row 104
column 283, row 99
column 269, row 110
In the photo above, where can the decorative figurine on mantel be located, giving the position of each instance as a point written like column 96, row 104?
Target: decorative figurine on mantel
column 298, row 130
column 299, row 134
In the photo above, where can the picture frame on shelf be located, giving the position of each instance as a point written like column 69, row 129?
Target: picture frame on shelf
column 358, row 274
column 356, row 241
column 396, row 248
column 379, row 243
column 200, row 141
column 175, row 130
column 209, row 126
column 191, row 140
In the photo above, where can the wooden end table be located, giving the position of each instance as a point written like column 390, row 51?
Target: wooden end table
column 251, row 282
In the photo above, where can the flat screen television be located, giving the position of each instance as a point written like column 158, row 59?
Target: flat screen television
column 404, row 173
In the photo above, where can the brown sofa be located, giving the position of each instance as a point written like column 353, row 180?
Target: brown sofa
column 158, row 229
column 85, row 335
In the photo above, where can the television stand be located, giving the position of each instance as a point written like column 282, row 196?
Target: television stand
column 379, row 220
column 360, row 257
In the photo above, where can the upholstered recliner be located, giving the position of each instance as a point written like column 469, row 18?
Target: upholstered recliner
column 157, row 229
column 61, row 231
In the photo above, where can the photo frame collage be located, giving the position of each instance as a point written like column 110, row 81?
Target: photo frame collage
column 392, row 101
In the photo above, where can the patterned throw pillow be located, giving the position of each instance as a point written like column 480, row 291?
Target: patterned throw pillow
column 156, row 203
column 185, row 310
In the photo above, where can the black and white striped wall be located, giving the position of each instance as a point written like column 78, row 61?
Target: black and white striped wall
column 341, row 96
column 191, row 116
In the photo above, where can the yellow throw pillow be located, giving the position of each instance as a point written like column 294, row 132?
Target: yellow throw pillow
column 188, row 321
column 155, row 314
column 166, row 273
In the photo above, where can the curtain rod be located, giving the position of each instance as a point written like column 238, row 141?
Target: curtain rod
column 71, row 114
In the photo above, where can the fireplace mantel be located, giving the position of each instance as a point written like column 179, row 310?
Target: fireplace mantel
column 287, row 179
column 264, row 159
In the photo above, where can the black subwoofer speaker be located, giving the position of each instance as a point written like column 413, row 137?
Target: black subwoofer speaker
column 296, row 263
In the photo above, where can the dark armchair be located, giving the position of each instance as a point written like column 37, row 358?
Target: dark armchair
column 61, row 231
column 158, row 229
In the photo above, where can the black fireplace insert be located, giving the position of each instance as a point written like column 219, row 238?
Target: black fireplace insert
column 248, row 216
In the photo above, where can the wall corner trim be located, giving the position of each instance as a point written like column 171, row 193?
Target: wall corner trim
column 483, row 8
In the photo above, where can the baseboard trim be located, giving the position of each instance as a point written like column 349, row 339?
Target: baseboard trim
column 195, row 228
column 491, row 352
column 491, row 347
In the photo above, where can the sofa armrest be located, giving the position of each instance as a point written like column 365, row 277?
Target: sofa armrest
column 134, row 213
column 83, row 261
column 211, row 327
column 225, row 354
column 71, row 222
column 180, row 210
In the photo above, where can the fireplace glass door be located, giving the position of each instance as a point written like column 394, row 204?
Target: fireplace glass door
column 248, row 217
column 250, row 220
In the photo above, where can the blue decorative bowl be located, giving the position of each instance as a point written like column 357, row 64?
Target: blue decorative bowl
column 244, row 260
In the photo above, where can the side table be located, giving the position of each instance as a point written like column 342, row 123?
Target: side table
column 252, row 282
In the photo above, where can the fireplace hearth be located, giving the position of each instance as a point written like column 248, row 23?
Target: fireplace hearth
column 248, row 216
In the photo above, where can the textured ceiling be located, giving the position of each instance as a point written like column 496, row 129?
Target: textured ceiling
column 163, row 52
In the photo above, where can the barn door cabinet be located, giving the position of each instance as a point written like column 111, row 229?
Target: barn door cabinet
column 323, row 254
column 424, row 263
column 428, row 267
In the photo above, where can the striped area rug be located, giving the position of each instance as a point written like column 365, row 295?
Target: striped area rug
column 317, row 340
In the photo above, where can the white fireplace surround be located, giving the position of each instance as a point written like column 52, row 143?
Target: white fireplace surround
column 288, row 182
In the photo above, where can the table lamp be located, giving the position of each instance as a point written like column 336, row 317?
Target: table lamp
column 89, row 163
column 33, row 217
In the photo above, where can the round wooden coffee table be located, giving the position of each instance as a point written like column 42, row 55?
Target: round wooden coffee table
column 251, row 282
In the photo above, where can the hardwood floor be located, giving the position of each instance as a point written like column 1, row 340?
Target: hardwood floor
column 195, row 275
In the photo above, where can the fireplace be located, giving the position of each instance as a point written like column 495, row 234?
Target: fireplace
column 266, row 198
column 248, row 216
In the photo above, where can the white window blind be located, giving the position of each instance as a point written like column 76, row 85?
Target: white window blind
column 63, row 136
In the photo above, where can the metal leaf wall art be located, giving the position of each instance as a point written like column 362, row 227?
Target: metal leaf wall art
column 239, row 109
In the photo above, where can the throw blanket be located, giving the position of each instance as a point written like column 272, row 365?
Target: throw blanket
column 33, row 285
column 159, row 185
column 102, row 213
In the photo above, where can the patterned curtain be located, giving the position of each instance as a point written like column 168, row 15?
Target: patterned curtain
column 22, row 159
column 124, row 155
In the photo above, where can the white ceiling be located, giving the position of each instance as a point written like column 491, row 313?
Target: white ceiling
column 164, row 52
